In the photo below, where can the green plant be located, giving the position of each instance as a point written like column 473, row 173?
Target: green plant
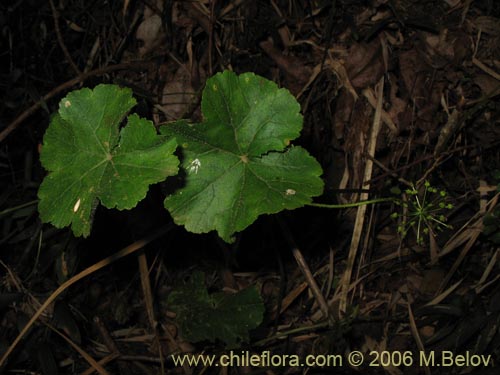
column 238, row 163
column 90, row 159
column 423, row 211
column 217, row 316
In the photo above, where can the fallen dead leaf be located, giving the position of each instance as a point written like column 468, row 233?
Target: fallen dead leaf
column 365, row 64
column 297, row 72
column 150, row 31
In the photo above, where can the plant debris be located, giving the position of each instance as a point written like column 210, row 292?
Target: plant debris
column 426, row 74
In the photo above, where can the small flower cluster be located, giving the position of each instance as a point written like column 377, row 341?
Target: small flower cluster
column 422, row 212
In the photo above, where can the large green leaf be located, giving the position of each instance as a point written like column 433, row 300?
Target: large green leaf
column 218, row 316
column 89, row 158
column 237, row 161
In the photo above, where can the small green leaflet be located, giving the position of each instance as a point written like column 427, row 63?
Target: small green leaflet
column 238, row 162
column 218, row 316
column 89, row 158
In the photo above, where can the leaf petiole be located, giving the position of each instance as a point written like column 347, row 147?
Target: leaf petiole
column 349, row 205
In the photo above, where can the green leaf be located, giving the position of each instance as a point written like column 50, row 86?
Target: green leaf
column 89, row 158
column 218, row 316
column 237, row 162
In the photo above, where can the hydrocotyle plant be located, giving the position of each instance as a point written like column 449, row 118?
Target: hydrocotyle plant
column 423, row 211
column 238, row 163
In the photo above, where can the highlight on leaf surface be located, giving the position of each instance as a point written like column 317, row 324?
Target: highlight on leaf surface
column 238, row 161
column 89, row 159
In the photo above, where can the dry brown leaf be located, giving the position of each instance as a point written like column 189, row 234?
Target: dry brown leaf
column 297, row 73
column 446, row 48
column 178, row 94
column 486, row 83
column 398, row 105
column 365, row 64
column 423, row 90
column 150, row 30
column 488, row 25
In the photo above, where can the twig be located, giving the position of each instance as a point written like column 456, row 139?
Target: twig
column 66, row 85
column 91, row 361
column 146, row 288
column 306, row 271
column 211, row 37
column 474, row 231
column 137, row 245
column 370, row 96
column 110, row 344
column 416, row 336
column 102, row 362
column 485, row 68
column 464, row 233
column 148, row 300
column 360, row 217
column 106, row 337
column 293, row 331
column 55, row 15
column 141, row 358
column 331, row 272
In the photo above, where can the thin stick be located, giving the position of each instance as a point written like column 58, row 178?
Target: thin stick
column 137, row 245
column 110, row 344
column 66, row 85
column 416, row 336
column 211, row 36
column 106, row 337
column 148, row 301
column 146, row 289
column 55, row 15
column 102, row 362
column 306, row 271
column 91, row 361
column 360, row 217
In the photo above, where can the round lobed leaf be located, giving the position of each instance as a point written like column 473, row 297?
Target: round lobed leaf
column 89, row 159
column 238, row 161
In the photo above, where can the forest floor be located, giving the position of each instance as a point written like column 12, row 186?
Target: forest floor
column 400, row 100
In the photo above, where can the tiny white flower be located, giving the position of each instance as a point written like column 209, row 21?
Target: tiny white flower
column 194, row 166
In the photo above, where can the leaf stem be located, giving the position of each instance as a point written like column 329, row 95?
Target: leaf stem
column 349, row 205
